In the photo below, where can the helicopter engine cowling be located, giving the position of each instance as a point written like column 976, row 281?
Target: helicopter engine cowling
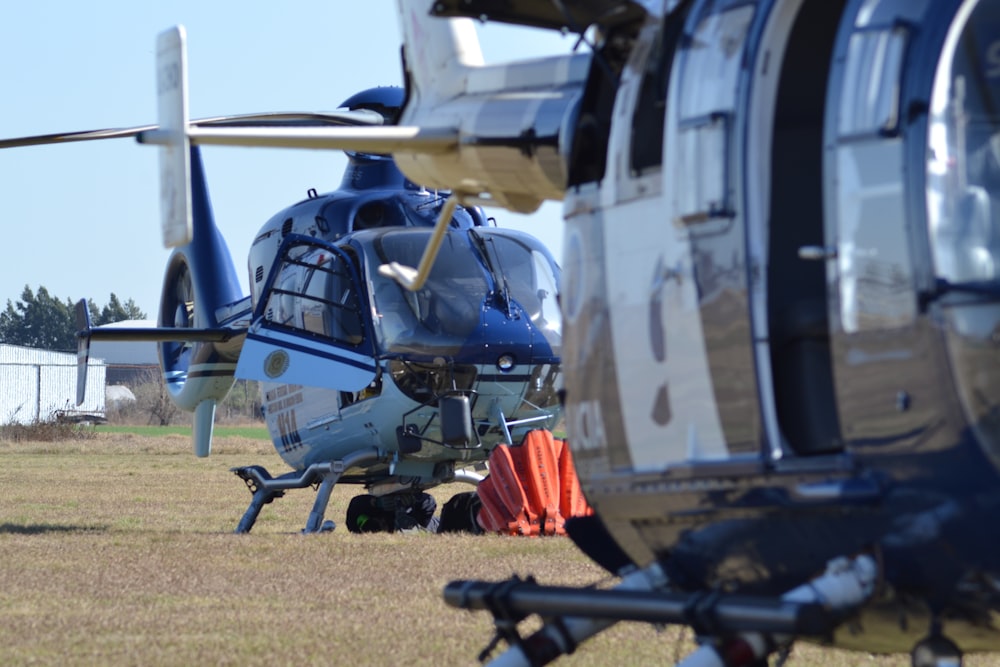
column 513, row 152
column 515, row 121
column 200, row 279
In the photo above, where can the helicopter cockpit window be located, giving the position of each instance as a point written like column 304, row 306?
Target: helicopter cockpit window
column 963, row 170
column 530, row 278
column 314, row 293
column 440, row 316
column 377, row 213
column 963, row 202
column 426, row 214
column 870, row 100
column 647, row 122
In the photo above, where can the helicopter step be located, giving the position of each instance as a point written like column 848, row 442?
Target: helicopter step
column 266, row 488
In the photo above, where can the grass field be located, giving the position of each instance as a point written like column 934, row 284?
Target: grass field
column 118, row 550
column 253, row 432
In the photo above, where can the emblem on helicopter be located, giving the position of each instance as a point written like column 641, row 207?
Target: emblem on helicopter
column 276, row 363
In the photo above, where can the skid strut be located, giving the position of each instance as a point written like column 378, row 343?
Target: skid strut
column 759, row 624
column 713, row 613
column 266, row 488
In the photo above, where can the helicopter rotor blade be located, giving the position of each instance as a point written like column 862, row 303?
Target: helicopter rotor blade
column 392, row 139
column 69, row 137
column 359, row 117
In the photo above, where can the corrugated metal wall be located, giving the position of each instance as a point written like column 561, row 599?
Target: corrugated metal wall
column 35, row 384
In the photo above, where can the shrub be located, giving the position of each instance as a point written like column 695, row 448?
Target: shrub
column 46, row 431
column 153, row 405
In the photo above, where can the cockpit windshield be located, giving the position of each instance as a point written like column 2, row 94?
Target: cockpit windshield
column 963, row 175
column 529, row 277
column 963, row 206
column 474, row 270
column 440, row 315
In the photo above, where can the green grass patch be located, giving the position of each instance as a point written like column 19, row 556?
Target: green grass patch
column 253, row 432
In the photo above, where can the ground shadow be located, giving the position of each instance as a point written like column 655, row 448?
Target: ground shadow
column 39, row 529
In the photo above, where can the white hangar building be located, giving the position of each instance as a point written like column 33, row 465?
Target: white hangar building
column 128, row 363
column 39, row 385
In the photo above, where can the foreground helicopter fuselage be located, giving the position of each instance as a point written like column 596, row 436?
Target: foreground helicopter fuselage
column 781, row 300
column 809, row 267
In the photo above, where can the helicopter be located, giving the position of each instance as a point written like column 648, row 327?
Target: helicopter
column 779, row 299
column 780, row 306
column 358, row 375
column 781, row 313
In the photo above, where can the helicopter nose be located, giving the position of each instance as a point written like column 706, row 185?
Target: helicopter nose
column 506, row 341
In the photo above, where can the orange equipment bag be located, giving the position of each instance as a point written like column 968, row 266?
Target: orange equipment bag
column 532, row 488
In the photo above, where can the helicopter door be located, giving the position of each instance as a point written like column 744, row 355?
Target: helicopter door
column 867, row 249
column 787, row 228
column 309, row 327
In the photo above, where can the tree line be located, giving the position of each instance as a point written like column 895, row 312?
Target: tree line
column 40, row 320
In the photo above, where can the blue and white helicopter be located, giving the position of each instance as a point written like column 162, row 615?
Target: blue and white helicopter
column 364, row 382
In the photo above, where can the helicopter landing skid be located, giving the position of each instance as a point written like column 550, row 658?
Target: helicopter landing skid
column 750, row 626
column 266, row 488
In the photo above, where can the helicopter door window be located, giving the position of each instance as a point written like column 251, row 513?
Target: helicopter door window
column 650, row 111
column 874, row 265
column 281, row 307
column 704, row 188
column 712, row 52
column 869, row 102
column 315, row 293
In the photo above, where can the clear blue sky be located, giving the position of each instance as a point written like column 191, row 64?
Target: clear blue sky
column 82, row 219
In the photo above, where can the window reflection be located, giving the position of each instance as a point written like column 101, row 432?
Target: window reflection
column 531, row 280
column 963, row 198
column 314, row 292
column 473, row 270
column 964, row 160
column 710, row 65
column 440, row 315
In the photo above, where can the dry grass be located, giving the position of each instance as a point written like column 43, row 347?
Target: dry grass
column 118, row 550
column 45, row 431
